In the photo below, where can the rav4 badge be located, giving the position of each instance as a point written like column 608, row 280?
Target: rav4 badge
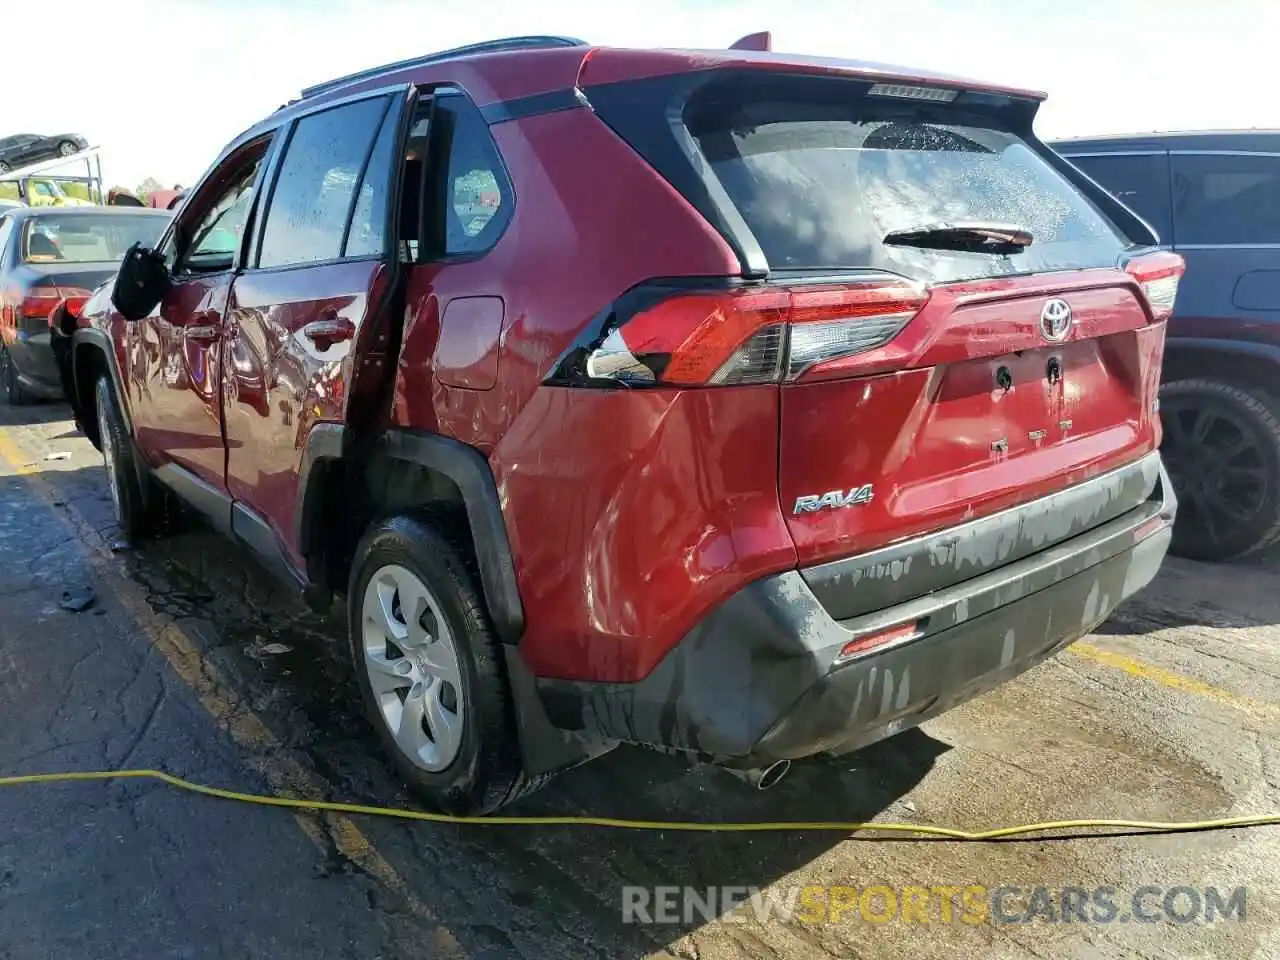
column 834, row 499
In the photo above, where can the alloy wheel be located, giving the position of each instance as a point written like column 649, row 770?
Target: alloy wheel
column 1218, row 467
column 411, row 660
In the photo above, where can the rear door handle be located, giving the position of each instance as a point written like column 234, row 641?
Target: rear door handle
column 325, row 333
column 202, row 332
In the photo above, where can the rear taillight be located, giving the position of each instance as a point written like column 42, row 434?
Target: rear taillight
column 764, row 334
column 38, row 302
column 1158, row 275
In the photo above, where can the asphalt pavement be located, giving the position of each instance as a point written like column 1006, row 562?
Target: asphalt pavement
column 192, row 660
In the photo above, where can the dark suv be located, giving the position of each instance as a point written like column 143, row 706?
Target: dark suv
column 745, row 405
column 1215, row 199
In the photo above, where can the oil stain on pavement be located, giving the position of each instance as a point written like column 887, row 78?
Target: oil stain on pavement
column 192, row 660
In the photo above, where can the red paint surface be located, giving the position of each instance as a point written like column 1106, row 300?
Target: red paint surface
column 923, row 437
column 172, row 378
column 633, row 513
column 599, row 217
column 467, row 351
column 278, row 383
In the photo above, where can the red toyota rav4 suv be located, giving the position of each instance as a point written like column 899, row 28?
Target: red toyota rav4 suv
column 747, row 405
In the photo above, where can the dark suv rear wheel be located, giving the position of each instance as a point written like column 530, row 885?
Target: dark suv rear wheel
column 430, row 668
column 1222, row 449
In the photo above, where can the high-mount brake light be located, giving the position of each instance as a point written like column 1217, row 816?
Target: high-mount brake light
column 1158, row 275
column 905, row 91
column 752, row 335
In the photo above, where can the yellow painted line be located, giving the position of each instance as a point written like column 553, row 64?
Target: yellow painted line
column 266, row 753
column 1172, row 680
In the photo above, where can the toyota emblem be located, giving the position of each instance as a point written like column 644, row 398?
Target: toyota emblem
column 1055, row 320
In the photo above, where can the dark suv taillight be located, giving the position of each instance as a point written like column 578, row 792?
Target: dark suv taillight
column 765, row 334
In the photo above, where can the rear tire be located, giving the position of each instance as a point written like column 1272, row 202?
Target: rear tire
column 14, row 393
column 1222, row 449
column 431, row 670
column 136, row 515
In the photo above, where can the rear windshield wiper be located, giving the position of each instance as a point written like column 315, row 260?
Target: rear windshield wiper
column 970, row 237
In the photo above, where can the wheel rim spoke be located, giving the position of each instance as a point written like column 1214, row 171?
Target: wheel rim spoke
column 444, row 724
column 412, row 666
column 379, row 610
column 387, row 674
column 409, row 732
column 440, row 660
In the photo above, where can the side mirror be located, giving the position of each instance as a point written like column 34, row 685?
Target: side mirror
column 141, row 282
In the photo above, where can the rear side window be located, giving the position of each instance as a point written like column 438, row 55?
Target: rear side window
column 477, row 200
column 312, row 200
column 820, row 185
column 1226, row 198
column 1139, row 181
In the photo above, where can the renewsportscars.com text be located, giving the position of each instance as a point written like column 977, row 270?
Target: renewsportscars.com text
column 940, row 904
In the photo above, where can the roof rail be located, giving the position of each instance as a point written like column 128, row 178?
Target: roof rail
column 488, row 46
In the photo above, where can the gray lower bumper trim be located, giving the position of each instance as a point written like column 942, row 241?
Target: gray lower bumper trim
column 882, row 578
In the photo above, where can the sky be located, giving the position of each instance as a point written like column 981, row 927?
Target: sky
column 164, row 84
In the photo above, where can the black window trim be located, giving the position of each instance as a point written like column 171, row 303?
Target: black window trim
column 360, row 178
column 435, row 181
column 171, row 233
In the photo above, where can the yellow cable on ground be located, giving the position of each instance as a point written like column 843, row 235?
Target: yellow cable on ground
column 907, row 830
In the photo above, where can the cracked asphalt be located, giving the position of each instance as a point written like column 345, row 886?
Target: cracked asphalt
column 192, row 660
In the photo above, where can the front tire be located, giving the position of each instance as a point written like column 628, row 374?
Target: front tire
column 66, row 148
column 136, row 515
column 1222, row 449
column 430, row 669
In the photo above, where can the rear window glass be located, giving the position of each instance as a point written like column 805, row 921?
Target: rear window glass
column 820, row 187
column 1226, row 198
column 86, row 238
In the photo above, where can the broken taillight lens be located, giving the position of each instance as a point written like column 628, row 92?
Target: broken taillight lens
column 39, row 302
column 765, row 334
column 1158, row 275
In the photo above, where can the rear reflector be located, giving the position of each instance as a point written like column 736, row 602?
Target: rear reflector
column 761, row 334
column 1158, row 274
column 890, row 637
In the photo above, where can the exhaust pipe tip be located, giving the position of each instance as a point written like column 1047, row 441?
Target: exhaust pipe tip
column 773, row 774
column 765, row 777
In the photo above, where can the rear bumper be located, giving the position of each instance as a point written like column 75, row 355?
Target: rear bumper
column 33, row 359
column 757, row 681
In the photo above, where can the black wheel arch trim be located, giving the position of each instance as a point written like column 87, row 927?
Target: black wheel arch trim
column 94, row 339
column 91, row 336
column 1249, row 348
column 470, row 473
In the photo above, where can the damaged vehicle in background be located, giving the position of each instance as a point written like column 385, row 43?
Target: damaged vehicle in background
column 48, row 255
column 872, row 430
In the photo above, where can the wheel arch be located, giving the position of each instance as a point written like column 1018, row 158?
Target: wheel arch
column 432, row 470
column 1239, row 362
column 91, row 356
